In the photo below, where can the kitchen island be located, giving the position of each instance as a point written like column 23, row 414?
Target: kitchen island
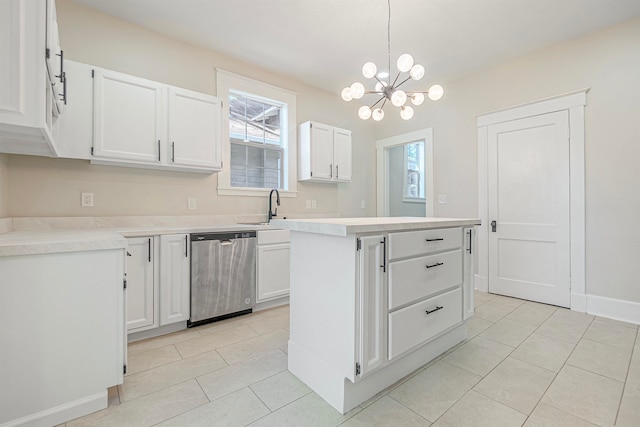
column 373, row 299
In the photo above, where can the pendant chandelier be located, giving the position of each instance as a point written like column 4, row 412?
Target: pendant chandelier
column 390, row 90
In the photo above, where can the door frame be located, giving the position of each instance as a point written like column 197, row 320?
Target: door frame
column 574, row 103
column 382, row 185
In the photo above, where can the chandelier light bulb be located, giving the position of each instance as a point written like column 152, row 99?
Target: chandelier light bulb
column 405, row 62
column 383, row 75
column 435, row 92
column 380, row 86
column 346, row 94
column 417, row 98
column 417, row 72
column 377, row 114
column 369, row 70
column 398, row 98
column 357, row 90
column 406, row 112
column 364, row 112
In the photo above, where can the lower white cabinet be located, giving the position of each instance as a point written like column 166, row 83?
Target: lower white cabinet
column 141, row 284
column 158, row 280
column 370, row 310
column 174, row 278
column 272, row 264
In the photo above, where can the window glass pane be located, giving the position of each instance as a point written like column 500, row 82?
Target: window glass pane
column 256, row 142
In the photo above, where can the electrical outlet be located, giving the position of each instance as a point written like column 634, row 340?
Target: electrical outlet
column 442, row 199
column 308, row 204
column 191, row 203
column 363, row 204
column 313, row 204
column 87, row 200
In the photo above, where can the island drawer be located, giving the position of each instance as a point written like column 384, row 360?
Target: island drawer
column 422, row 242
column 418, row 323
column 416, row 278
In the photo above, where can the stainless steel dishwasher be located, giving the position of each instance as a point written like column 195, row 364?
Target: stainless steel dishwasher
column 223, row 275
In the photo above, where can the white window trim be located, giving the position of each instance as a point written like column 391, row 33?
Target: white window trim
column 227, row 81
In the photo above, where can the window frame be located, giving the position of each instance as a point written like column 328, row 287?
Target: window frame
column 228, row 82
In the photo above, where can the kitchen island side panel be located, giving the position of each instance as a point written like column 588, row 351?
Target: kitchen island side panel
column 323, row 298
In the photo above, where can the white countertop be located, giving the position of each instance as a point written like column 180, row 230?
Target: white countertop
column 346, row 226
column 33, row 242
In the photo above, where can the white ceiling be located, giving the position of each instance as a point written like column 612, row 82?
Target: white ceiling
column 325, row 42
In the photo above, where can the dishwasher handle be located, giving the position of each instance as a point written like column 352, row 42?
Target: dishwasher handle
column 226, row 242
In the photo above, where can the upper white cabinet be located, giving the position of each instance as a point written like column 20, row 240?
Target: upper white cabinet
column 32, row 80
column 175, row 275
column 325, row 153
column 139, row 122
column 194, row 124
column 128, row 117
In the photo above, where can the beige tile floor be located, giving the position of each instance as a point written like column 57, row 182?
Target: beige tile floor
column 523, row 364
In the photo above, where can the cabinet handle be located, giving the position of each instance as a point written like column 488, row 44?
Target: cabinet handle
column 128, row 253
column 186, row 246
column 434, row 240
column 434, row 310
column 173, row 151
column 158, row 150
column 149, row 245
column 337, row 174
column 469, row 241
column 384, row 255
column 330, row 170
column 493, row 226
column 435, row 265
column 63, row 95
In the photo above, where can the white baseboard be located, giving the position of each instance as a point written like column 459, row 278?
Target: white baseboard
column 63, row 413
column 579, row 302
column 625, row 311
column 481, row 283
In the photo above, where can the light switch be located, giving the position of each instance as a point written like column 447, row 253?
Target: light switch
column 442, row 199
column 308, row 204
column 363, row 204
column 313, row 204
column 191, row 203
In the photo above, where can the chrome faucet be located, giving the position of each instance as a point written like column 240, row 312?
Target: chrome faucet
column 271, row 213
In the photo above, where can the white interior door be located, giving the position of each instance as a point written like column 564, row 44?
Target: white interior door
column 528, row 185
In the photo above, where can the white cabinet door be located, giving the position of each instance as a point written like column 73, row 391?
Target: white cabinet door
column 140, row 283
column 342, row 154
column 76, row 124
column 129, row 119
column 194, row 128
column 370, row 333
column 468, row 272
column 28, row 109
column 174, row 278
column 321, row 151
column 273, row 271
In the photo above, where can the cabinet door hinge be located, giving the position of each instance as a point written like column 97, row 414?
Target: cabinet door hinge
column 124, row 369
column 358, row 244
column 311, row 173
column 357, row 368
column 47, row 53
column 92, row 151
column 124, row 282
column 93, row 73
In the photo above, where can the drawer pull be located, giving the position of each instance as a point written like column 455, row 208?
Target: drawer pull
column 434, row 310
column 434, row 240
column 435, row 265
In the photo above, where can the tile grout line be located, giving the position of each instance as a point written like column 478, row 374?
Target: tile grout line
column 626, row 378
column 558, row 373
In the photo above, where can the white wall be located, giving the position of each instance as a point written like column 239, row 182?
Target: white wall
column 51, row 187
column 608, row 62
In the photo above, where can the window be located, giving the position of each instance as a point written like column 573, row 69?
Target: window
column 414, row 166
column 258, row 137
column 255, row 135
